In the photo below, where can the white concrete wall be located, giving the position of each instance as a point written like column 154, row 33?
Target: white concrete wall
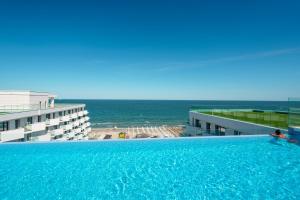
column 7, row 99
column 35, row 99
column 23, row 98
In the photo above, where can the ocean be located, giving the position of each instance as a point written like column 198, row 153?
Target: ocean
column 129, row 113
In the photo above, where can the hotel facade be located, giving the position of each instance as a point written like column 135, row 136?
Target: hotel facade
column 34, row 116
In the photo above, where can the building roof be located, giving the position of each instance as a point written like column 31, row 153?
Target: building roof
column 25, row 92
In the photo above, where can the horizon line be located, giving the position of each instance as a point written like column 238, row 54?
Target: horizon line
column 168, row 99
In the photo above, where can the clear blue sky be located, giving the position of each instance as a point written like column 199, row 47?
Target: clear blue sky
column 152, row 49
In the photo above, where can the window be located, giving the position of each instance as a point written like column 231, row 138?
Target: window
column 69, row 111
column 39, row 118
column 237, row 133
column 198, row 124
column 48, row 116
column 53, row 115
column 17, row 123
column 60, row 114
column 29, row 120
column 208, row 126
column 4, row 126
column 64, row 113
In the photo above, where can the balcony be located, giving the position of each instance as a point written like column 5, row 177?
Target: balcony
column 85, row 112
column 85, row 132
column 65, row 118
column 84, row 126
column 80, row 113
column 57, row 132
column 68, row 127
column 87, row 118
column 89, row 129
column 61, row 139
column 52, row 122
column 74, row 115
column 88, row 123
column 76, row 123
column 78, row 130
column 41, row 126
column 82, row 120
column 71, row 135
column 12, row 135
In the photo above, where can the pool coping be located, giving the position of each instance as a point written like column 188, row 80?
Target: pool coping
column 138, row 139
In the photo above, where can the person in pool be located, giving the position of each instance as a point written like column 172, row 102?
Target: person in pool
column 278, row 135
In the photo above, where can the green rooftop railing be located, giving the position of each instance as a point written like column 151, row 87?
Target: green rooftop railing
column 294, row 112
column 272, row 118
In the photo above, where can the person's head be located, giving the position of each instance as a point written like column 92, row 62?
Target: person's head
column 277, row 132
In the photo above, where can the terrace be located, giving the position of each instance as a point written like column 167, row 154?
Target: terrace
column 278, row 119
column 7, row 109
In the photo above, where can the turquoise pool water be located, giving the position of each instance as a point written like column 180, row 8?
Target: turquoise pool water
column 231, row 168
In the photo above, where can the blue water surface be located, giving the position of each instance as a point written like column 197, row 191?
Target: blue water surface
column 206, row 168
column 124, row 113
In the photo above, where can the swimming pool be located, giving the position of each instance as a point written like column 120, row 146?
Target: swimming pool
column 206, row 168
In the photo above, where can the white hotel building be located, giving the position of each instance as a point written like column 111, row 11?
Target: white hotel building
column 34, row 116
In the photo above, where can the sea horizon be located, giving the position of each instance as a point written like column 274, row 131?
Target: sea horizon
column 264, row 100
column 131, row 113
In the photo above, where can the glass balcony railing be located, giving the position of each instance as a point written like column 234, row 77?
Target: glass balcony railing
column 6, row 109
column 294, row 113
column 272, row 117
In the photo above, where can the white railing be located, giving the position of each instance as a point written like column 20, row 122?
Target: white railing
column 78, row 130
column 87, row 118
column 85, row 132
column 80, row 113
column 65, row 118
column 35, row 127
column 82, row 120
column 52, row 122
column 11, row 135
column 76, row 123
column 74, row 115
column 85, row 112
column 88, row 123
column 68, row 127
column 71, row 135
column 32, row 107
column 84, row 126
column 57, row 132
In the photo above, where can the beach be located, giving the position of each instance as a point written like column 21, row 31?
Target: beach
column 136, row 132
